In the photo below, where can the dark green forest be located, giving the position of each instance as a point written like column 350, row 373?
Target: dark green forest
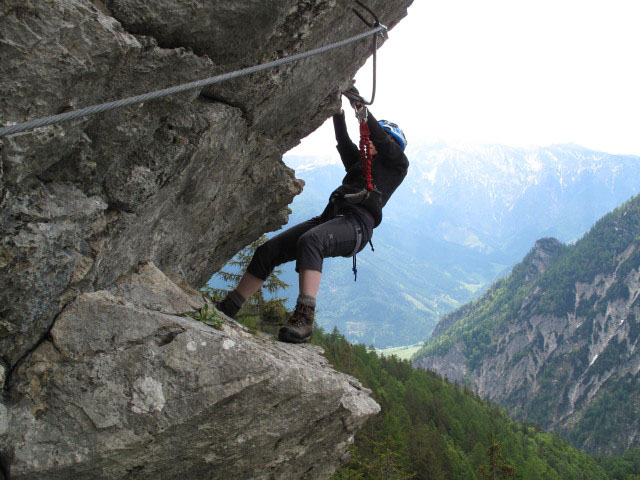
column 434, row 430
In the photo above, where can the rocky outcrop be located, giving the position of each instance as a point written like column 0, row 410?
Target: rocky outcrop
column 183, row 182
column 128, row 387
column 541, row 256
column 451, row 365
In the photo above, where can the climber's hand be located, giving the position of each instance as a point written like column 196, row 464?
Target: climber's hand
column 355, row 104
column 339, row 110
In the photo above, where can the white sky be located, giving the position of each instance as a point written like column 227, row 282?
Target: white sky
column 515, row 72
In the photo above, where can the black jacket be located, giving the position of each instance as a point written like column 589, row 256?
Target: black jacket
column 388, row 168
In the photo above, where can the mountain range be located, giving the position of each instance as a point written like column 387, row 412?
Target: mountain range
column 460, row 220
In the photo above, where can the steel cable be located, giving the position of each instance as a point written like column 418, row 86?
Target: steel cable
column 72, row 115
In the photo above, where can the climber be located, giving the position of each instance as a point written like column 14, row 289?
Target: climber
column 342, row 230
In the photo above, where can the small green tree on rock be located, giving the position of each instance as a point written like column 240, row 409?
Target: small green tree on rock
column 272, row 311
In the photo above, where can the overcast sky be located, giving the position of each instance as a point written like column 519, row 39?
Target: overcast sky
column 520, row 73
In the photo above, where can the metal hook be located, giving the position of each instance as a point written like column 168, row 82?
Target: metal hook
column 383, row 33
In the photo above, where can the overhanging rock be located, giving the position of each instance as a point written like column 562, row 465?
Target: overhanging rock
column 185, row 181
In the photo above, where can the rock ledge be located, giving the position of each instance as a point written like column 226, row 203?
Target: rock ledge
column 128, row 388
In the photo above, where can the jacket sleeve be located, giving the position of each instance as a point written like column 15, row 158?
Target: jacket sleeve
column 348, row 151
column 388, row 149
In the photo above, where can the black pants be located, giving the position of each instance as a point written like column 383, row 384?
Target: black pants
column 309, row 243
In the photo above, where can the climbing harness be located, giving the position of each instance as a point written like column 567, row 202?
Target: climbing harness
column 356, row 248
column 75, row 114
column 354, row 269
column 359, row 234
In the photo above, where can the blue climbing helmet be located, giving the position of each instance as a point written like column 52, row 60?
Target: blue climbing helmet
column 395, row 131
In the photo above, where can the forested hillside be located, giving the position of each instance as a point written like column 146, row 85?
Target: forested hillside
column 556, row 341
column 431, row 429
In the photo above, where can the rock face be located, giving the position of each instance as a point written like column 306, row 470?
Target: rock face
column 557, row 342
column 183, row 182
column 128, row 388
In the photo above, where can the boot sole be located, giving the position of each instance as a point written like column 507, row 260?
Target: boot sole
column 285, row 337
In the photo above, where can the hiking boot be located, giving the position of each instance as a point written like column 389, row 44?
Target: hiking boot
column 299, row 327
column 227, row 307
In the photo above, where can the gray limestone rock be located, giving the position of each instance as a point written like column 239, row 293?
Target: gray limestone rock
column 125, row 388
column 185, row 181
column 103, row 377
column 452, row 365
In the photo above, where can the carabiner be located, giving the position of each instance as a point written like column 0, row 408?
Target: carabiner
column 383, row 33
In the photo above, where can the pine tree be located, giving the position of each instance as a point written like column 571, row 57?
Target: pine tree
column 496, row 467
column 382, row 464
column 272, row 310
